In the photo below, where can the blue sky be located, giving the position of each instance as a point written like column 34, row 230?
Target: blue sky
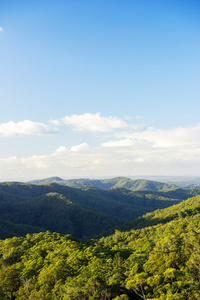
column 99, row 88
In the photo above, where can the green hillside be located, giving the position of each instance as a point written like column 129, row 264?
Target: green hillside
column 88, row 198
column 54, row 212
column 154, row 262
column 80, row 211
column 47, row 180
column 10, row 229
column 186, row 208
column 117, row 182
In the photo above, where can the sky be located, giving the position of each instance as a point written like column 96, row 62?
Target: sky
column 99, row 88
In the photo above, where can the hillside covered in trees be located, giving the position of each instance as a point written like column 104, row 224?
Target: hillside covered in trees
column 79, row 211
column 117, row 182
column 159, row 260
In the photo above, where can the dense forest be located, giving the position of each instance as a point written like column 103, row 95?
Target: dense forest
column 154, row 262
column 154, row 256
column 79, row 211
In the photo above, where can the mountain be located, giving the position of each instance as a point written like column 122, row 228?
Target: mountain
column 80, row 211
column 159, row 261
column 117, row 182
column 186, row 208
column 54, row 212
column 47, row 180
column 183, row 181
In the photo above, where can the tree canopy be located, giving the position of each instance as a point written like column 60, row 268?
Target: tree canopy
column 161, row 261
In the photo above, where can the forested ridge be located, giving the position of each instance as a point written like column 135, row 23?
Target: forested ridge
column 116, row 182
column 79, row 211
column 153, row 262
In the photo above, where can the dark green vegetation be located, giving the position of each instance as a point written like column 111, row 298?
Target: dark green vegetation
column 160, row 262
column 80, row 211
column 117, row 182
column 9, row 229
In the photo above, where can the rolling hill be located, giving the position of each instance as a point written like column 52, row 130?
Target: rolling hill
column 52, row 211
column 80, row 211
column 117, row 182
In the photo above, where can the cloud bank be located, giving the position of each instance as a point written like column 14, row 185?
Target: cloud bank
column 94, row 122
column 26, row 127
column 116, row 158
column 137, row 150
column 189, row 136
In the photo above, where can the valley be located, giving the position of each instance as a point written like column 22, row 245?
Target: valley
column 80, row 210
column 85, row 242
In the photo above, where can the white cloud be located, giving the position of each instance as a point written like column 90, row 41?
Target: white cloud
column 9, row 164
column 165, row 138
column 110, row 160
column 36, row 161
column 94, row 122
column 26, row 127
column 61, row 149
column 80, row 147
column 9, row 160
column 1, row 29
column 119, row 143
column 82, row 160
column 136, row 151
column 54, row 122
column 139, row 160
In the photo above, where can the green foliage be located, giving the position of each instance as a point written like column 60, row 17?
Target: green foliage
column 9, row 229
column 80, row 211
column 157, row 262
column 55, row 212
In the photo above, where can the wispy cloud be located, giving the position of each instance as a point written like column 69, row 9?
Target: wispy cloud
column 120, row 157
column 80, row 147
column 25, row 127
column 94, row 122
column 119, row 143
column 180, row 136
column 54, row 122
column 1, row 29
column 135, row 150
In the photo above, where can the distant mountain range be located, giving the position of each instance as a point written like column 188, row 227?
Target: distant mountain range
column 117, row 182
